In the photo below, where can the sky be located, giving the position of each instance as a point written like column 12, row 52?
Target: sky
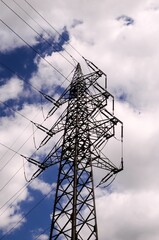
column 121, row 38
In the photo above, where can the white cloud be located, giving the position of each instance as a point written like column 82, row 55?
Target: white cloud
column 128, row 215
column 17, row 134
column 11, row 25
column 42, row 237
column 129, row 55
column 11, row 90
column 41, row 186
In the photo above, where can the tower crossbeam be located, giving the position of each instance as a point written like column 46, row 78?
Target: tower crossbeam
column 84, row 127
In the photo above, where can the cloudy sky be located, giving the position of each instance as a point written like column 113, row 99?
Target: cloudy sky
column 121, row 38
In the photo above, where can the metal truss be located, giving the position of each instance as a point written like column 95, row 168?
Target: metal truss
column 86, row 125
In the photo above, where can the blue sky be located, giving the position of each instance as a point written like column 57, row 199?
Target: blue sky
column 122, row 40
column 21, row 62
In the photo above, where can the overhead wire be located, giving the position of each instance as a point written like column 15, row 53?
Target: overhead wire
column 113, row 179
column 26, row 214
column 13, row 110
column 17, row 112
column 43, row 29
column 20, row 190
column 27, row 44
column 18, row 193
column 19, row 76
column 11, row 178
column 42, row 109
column 23, row 116
column 35, row 31
column 14, row 142
column 9, row 148
column 35, row 88
column 41, row 234
column 53, row 28
column 31, row 47
column 15, row 152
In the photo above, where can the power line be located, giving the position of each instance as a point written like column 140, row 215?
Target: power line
column 49, row 98
column 29, row 212
column 11, row 70
column 13, row 110
column 54, row 28
column 34, row 30
column 15, row 152
column 10, row 148
column 14, row 142
column 11, row 178
column 44, row 231
column 33, row 49
column 20, row 191
column 43, row 28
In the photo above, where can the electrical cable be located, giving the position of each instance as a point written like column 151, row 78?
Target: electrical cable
column 13, row 110
column 34, row 137
column 35, row 30
column 20, row 77
column 11, row 178
column 37, row 52
column 35, row 88
column 42, row 109
column 9, row 148
column 75, row 61
column 54, row 29
column 110, row 182
column 17, row 112
column 44, row 231
column 26, row 214
column 19, row 192
column 19, row 222
column 15, row 152
column 14, row 142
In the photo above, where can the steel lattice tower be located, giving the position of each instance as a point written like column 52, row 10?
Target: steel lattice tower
column 87, row 125
column 75, row 191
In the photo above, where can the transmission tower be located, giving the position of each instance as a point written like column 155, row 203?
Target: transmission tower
column 85, row 125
